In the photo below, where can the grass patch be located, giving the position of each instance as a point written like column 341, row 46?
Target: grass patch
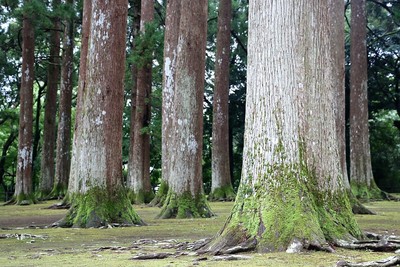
column 73, row 247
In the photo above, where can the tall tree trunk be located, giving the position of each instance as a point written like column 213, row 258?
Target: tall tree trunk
column 361, row 177
column 221, row 185
column 172, row 22
column 139, row 164
column 86, row 21
column 338, row 55
column 47, row 166
column 97, row 193
column 136, row 6
column 291, row 195
column 23, row 185
column 63, row 158
column 183, row 161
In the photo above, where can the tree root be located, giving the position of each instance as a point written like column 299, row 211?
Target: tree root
column 389, row 197
column 59, row 206
column 381, row 243
column 391, row 261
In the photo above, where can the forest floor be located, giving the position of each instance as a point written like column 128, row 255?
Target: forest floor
column 26, row 241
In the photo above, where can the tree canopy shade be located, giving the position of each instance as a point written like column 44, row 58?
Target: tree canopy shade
column 291, row 196
column 96, row 189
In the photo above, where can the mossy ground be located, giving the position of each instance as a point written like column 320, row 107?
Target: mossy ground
column 77, row 247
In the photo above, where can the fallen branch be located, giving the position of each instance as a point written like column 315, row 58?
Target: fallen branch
column 391, row 261
column 152, row 256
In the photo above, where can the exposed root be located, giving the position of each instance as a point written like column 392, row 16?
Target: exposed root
column 391, row 261
column 359, row 208
column 382, row 243
column 59, row 206
column 389, row 197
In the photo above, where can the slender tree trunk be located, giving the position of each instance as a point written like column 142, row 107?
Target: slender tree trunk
column 338, row 55
column 63, row 158
column 221, row 186
column 361, row 177
column 136, row 5
column 23, row 185
column 291, row 195
column 97, row 193
column 183, row 160
column 172, row 22
column 6, row 146
column 49, row 129
column 86, row 20
column 139, row 164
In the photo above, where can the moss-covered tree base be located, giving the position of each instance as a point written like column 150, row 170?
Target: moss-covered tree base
column 286, row 223
column 141, row 197
column 287, row 213
column 365, row 192
column 185, row 206
column 224, row 193
column 356, row 206
column 22, row 199
column 98, row 207
column 159, row 198
column 59, row 192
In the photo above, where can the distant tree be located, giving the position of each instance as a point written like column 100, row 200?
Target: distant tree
column 96, row 192
column 183, row 97
column 23, row 185
column 221, row 185
column 63, row 151
column 361, row 176
column 291, row 195
column 47, row 165
column 139, row 155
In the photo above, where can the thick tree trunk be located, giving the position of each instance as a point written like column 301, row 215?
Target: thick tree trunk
column 47, row 167
column 172, row 22
column 23, row 185
column 97, row 193
column 221, row 186
column 184, row 95
column 361, row 177
column 291, row 196
column 63, row 157
column 139, row 163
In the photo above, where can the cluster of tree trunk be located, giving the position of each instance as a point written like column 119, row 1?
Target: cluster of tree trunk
column 294, row 193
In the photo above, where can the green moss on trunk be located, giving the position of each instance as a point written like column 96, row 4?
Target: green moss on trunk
column 161, row 195
column 98, row 207
column 59, row 191
column 224, row 193
column 287, row 211
column 185, row 206
column 363, row 192
column 141, row 197
column 22, row 199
